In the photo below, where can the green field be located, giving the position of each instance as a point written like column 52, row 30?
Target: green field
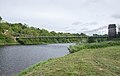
column 87, row 62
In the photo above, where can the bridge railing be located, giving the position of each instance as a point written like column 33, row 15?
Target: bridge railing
column 65, row 37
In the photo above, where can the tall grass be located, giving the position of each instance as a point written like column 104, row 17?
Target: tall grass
column 79, row 47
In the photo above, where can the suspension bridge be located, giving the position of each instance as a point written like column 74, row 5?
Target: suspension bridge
column 61, row 37
column 111, row 33
column 25, row 36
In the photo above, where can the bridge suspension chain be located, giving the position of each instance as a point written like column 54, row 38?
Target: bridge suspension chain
column 96, row 30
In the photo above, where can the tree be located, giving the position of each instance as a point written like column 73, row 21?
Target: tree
column 53, row 33
column 105, row 35
column 82, row 34
column 0, row 18
column 95, row 35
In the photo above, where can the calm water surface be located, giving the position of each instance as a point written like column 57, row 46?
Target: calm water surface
column 13, row 59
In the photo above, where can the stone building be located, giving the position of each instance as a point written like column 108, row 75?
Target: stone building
column 112, row 30
column 119, row 31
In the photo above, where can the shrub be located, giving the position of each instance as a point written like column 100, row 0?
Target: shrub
column 79, row 47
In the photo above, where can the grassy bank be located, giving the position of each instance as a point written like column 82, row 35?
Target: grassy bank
column 79, row 47
column 87, row 62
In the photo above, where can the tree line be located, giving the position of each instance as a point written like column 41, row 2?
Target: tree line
column 8, row 31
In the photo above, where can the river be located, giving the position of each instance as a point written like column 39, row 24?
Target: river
column 14, row 59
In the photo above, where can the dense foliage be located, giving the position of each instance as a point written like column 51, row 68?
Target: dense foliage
column 12, row 30
column 5, row 40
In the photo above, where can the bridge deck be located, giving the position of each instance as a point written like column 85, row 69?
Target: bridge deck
column 62, row 37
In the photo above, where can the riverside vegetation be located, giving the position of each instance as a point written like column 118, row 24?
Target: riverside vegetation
column 82, row 46
column 93, row 59
column 8, row 31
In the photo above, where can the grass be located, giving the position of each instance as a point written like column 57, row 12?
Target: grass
column 79, row 47
column 6, row 43
column 87, row 62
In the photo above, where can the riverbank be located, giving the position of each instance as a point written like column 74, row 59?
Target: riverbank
column 9, row 44
column 79, row 47
column 86, row 62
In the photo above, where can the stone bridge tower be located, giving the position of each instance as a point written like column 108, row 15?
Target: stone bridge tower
column 112, row 30
column 119, row 31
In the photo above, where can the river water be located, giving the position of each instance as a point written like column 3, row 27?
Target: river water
column 13, row 59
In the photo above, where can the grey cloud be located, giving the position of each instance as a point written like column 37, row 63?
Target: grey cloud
column 97, row 29
column 91, row 2
column 116, row 16
column 70, row 30
column 58, row 14
column 92, row 23
column 65, row 27
column 76, row 23
column 80, row 23
column 84, row 29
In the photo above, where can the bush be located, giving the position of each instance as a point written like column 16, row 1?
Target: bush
column 6, row 39
column 79, row 47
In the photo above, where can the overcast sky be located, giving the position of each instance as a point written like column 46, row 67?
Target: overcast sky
column 74, row 16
